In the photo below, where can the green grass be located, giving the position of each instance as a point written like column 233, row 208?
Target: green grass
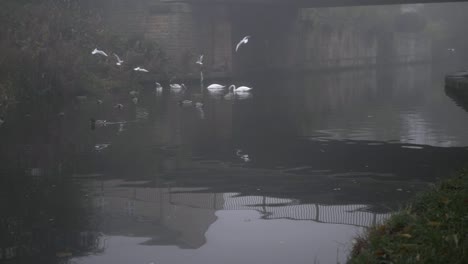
column 433, row 229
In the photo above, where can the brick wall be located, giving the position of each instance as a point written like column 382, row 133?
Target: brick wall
column 184, row 32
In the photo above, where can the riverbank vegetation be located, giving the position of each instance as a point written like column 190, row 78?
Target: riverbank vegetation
column 45, row 51
column 433, row 229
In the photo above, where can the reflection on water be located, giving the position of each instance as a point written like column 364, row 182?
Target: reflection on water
column 296, row 168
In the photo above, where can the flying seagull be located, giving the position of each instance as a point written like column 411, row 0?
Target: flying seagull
column 100, row 52
column 119, row 61
column 200, row 60
column 245, row 40
column 140, row 69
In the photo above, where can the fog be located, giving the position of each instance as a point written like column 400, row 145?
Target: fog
column 262, row 131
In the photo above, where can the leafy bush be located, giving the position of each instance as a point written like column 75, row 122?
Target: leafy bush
column 46, row 50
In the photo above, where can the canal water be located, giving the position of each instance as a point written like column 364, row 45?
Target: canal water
column 289, row 173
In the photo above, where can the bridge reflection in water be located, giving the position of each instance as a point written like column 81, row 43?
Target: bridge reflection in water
column 182, row 216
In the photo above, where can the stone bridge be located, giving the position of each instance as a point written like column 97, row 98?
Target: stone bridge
column 313, row 3
column 284, row 35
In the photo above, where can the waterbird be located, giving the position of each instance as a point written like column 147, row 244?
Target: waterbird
column 99, row 147
column 133, row 93
column 176, row 86
column 97, row 123
column 245, row 40
column 100, row 122
column 244, row 157
column 200, row 60
column 198, row 105
column 119, row 61
column 240, row 88
column 121, row 128
column 186, row 103
column 99, row 52
column 135, row 100
column 99, row 101
column 215, row 86
column 140, row 69
column 119, row 106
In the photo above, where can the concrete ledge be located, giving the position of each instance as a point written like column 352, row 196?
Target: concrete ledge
column 457, row 82
column 456, row 87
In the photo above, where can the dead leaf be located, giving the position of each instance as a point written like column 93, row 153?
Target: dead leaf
column 406, row 235
column 445, row 200
column 434, row 223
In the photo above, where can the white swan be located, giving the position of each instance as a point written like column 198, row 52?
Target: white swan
column 100, row 52
column 215, row 86
column 240, row 88
column 245, row 40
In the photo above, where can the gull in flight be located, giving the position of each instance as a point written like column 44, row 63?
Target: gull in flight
column 119, row 61
column 200, row 60
column 100, row 52
column 140, row 69
column 245, row 40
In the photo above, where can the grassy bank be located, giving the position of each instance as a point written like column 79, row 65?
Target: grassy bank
column 433, row 229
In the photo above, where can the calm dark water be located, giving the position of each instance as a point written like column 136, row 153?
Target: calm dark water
column 328, row 155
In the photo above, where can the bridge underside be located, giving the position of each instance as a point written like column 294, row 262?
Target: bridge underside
column 283, row 37
column 315, row 3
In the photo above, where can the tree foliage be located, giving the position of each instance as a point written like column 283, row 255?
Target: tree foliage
column 46, row 48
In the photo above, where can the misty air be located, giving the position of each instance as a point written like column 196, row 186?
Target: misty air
column 233, row 131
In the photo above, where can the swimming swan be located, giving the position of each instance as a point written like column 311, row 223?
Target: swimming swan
column 240, row 88
column 216, row 86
